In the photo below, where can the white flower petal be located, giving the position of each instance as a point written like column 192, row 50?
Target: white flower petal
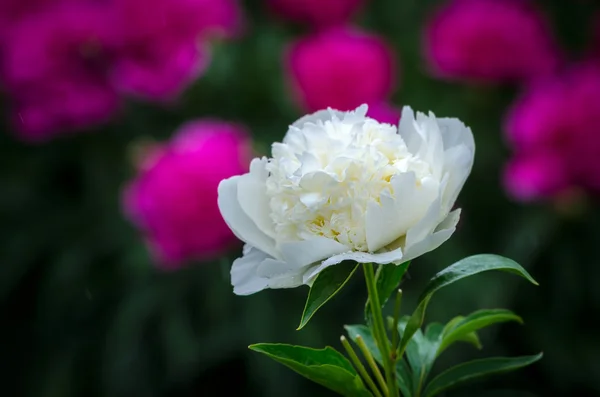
column 455, row 133
column 431, row 242
column 307, row 252
column 458, row 162
column 256, row 271
column 432, row 148
column 244, row 279
column 426, row 225
column 316, row 117
column 238, row 221
column 394, row 217
column 252, row 196
column 280, row 274
column 458, row 157
column 408, row 131
column 394, row 256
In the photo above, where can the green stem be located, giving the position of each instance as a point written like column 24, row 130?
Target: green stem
column 372, row 364
column 358, row 365
column 395, row 333
column 378, row 328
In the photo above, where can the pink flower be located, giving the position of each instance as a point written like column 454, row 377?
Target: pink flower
column 536, row 176
column 173, row 199
column 318, row 13
column 11, row 11
column 55, row 68
column 340, row 68
column 159, row 72
column 558, row 116
column 164, row 43
column 490, row 40
column 62, row 106
column 384, row 113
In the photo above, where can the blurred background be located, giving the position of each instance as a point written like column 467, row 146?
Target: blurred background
column 121, row 116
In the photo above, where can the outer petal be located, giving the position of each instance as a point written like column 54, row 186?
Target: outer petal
column 304, row 253
column 256, row 271
column 429, row 221
column 392, row 218
column 431, row 242
column 394, row 256
column 252, row 196
column 408, row 131
column 238, row 221
column 432, row 146
column 244, row 278
column 455, row 133
column 280, row 274
column 459, row 153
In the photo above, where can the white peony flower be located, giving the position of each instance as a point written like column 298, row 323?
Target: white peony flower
column 342, row 186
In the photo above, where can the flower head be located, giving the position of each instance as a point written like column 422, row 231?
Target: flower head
column 340, row 68
column 173, row 200
column 317, row 12
column 549, row 129
column 537, row 175
column 490, row 40
column 55, row 66
column 164, row 43
column 342, row 186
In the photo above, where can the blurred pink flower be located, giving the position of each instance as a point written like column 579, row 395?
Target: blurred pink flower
column 490, row 40
column 557, row 116
column 65, row 63
column 384, row 113
column 55, row 68
column 340, row 68
column 318, row 13
column 164, row 45
column 11, row 11
column 62, row 107
column 173, row 199
column 161, row 71
column 536, row 176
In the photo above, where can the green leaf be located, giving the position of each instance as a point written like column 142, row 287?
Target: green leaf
column 388, row 278
column 327, row 367
column 471, row 337
column 365, row 333
column 328, row 283
column 473, row 265
column 403, row 375
column 471, row 370
column 421, row 351
column 473, row 322
column 461, row 269
column 404, row 378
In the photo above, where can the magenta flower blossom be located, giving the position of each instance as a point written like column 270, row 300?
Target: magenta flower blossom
column 55, row 67
column 173, row 199
column 62, row 107
column 159, row 72
column 384, row 113
column 490, row 41
column 67, row 63
column 318, row 13
column 164, row 45
column 551, row 128
column 340, row 68
column 536, row 176
column 12, row 11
